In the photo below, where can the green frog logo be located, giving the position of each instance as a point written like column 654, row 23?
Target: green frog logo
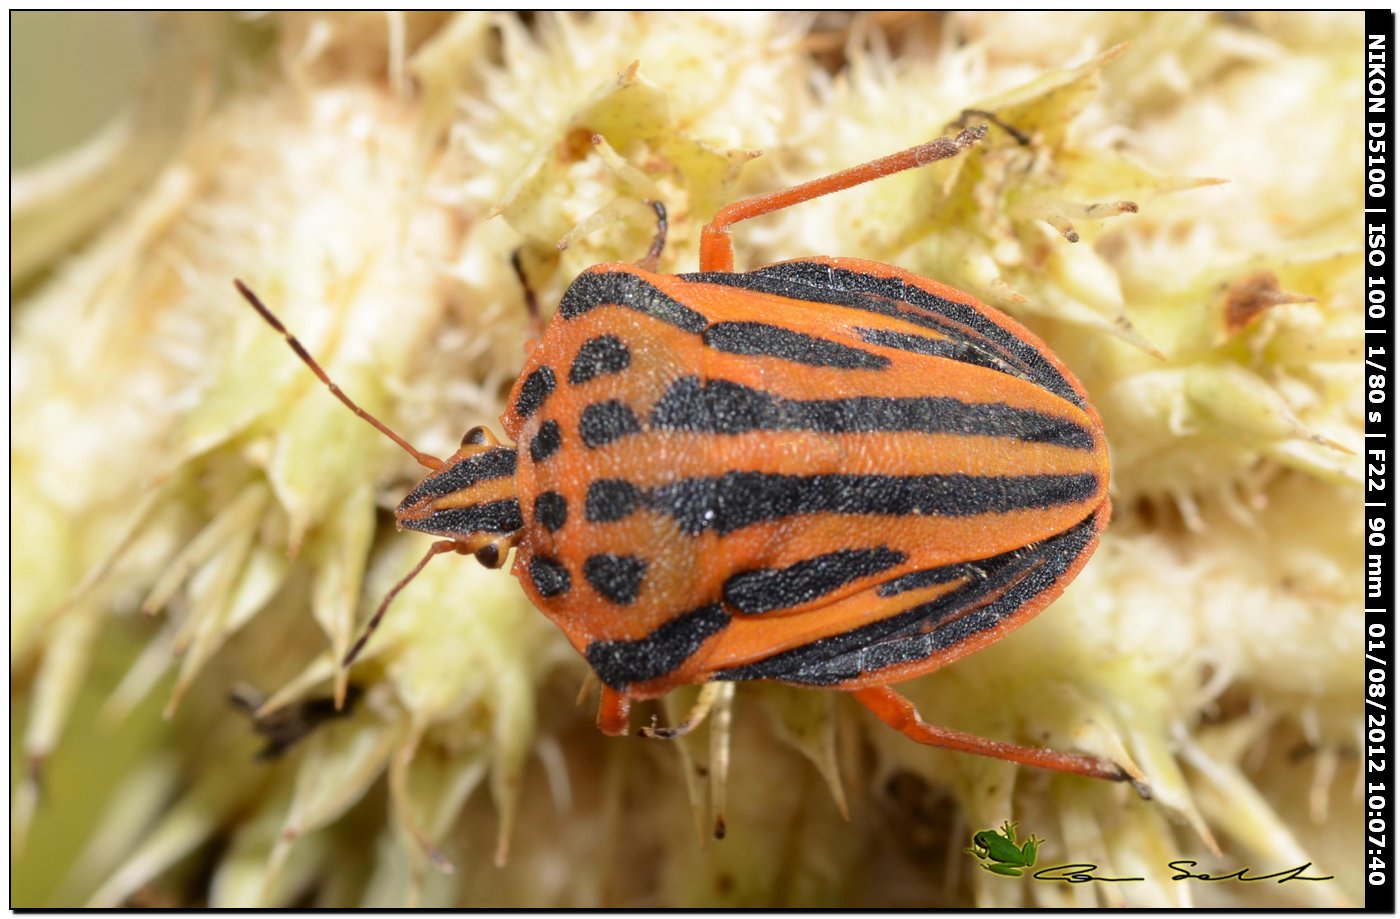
column 999, row 852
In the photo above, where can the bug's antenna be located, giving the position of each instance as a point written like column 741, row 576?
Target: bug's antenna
column 424, row 459
column 436, row 548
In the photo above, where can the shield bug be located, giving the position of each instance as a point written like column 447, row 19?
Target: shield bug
column 826, row 472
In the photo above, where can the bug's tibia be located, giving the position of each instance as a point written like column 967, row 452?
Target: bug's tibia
column 716, row 252
column 900, row 714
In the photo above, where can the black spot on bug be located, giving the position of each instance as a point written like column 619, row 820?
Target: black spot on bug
column 536, row 388
column 549, row 577
column 598, row 357
column 616, row 577
column 604, row 422
column 621, row 663
column 611, row 499
column 765, row 589
column 551, row 510
column 763, row 340
column 546, row 441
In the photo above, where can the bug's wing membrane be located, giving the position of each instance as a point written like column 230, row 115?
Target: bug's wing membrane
column 914, row 624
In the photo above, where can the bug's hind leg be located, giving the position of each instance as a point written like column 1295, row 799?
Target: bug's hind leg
column 716, row 250
column 900, row 714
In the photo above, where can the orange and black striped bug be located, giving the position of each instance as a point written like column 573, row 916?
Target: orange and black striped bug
column 825, row 472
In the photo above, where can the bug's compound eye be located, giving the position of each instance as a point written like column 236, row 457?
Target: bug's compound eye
column 475, row 437
column 489, row 556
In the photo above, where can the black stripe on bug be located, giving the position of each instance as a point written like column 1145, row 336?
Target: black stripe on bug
column 724, row 407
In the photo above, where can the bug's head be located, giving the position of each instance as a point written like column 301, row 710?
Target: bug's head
column 471, row 500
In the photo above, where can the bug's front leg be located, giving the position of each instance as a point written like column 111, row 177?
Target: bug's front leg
column 900, row 714
column 613, row 707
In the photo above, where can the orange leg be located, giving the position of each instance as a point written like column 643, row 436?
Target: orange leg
column 900, row 714
column 716, row 251
column 613, row 707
